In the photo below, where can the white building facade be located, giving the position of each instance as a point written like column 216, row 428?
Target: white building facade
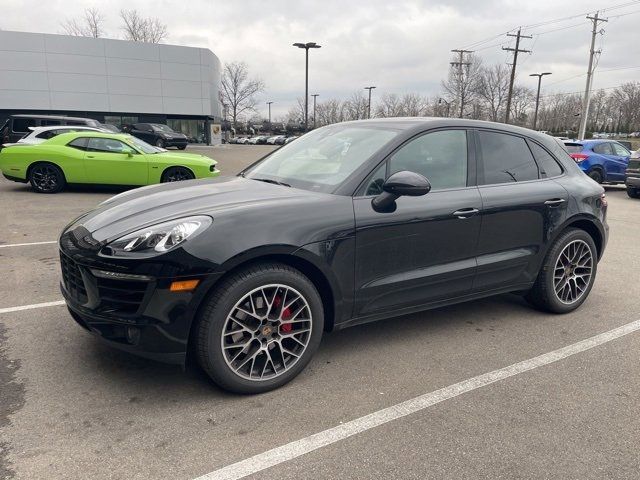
column 113, row 81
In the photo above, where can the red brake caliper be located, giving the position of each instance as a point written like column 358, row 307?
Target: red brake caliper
column 286, row 315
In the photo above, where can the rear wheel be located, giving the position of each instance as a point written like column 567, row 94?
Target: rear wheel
column 177, row 174
column 596, row 175
column 567, row 274
column 46, row 178
column 259, row 328
column 633, row 192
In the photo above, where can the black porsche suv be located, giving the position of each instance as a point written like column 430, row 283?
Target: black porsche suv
column 158, row 134
column 632, row 176
column 351, row 223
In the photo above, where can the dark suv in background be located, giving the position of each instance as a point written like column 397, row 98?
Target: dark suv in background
column 17, row 126
column 158, row 134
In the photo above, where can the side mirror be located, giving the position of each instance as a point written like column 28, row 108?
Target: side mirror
column 129, row 153
column 400, row 184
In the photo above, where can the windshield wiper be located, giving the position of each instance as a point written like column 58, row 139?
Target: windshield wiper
column 268, row 180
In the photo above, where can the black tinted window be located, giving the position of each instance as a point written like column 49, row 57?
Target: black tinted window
column 506, row 159
column 79, row 143
column 603, row 149
column 21, row 125
column 439, row 156
column 53, row 133
column 548, row 165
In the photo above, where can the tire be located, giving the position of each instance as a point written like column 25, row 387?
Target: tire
column 557, row 270
column 596, row 175
column 633, row 192
column 160, row 143
column 232, row 368
column 46, row 177
column 182, row 147
column 176, row 174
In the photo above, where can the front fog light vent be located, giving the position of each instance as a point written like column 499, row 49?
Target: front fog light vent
column 120, row 276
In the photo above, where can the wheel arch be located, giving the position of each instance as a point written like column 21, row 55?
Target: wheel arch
column 588, row 225
column 174, row 166
column 35, row 162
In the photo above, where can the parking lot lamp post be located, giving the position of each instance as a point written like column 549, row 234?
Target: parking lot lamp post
column 315, row 95
column 535, row 115
column 369, row 104
column 269, row 103
column 306, row 47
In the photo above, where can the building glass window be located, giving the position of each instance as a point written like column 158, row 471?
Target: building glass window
column 194, row 129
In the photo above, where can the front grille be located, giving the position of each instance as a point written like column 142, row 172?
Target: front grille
column 634, row 164
column 123, row 296
column 72, row 278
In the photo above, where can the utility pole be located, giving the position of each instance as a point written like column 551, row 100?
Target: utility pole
column 587, row 91
column 369, row 107
column 513, row 68
column 315, row 95
column 460, row 64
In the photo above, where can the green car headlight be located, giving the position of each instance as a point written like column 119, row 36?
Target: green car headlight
column 158, row 239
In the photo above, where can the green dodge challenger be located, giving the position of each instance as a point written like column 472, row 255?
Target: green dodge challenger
column 99, row 158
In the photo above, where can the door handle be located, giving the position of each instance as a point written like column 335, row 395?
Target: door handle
column 465, row 212
column 555, row 202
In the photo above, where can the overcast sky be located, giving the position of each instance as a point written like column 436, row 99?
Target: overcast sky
column 398, row 46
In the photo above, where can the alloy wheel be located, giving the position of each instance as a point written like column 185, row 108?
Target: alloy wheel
column 178, row 174
column 572, row 272
column 45, row 178
column 266, row 332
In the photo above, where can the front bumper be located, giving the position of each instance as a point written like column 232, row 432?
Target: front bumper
column 175, row 142
column 133, row 310
column 632, row 181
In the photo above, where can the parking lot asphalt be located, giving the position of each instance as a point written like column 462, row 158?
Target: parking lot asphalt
column 73, row 408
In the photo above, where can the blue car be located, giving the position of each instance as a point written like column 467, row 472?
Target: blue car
column 605, row 161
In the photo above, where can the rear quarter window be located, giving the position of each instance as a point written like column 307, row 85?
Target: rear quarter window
column 548, row 165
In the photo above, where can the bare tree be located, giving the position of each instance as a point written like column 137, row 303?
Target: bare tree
column 330, row 111
column 493, row 88
column 89, row 25
column 140, row 29
column 238, row 90
column 356, row 108
column 461, row 85
column 296, row 113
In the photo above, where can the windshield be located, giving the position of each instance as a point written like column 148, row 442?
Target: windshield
column 161, row 128
column 143, row 146
column 323, row 158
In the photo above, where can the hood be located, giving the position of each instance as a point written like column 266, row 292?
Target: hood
column 157, row 203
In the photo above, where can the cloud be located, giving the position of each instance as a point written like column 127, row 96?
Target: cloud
column 399, row 46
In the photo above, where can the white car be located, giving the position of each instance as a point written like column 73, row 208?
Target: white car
column 41, row 134
column 273, row 140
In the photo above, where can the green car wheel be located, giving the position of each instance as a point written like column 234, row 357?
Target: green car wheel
column 46, row 178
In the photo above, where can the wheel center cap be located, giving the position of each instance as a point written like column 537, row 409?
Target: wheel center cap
column 266, row 331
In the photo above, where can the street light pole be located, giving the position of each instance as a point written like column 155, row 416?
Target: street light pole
column 269, row 103
column 306, row 47
column 315, row 95
column 535, row 115
column 369, row 107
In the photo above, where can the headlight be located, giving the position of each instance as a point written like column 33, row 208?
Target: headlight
column 159, row 238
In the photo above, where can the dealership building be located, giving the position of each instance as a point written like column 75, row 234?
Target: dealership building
column 113, row 81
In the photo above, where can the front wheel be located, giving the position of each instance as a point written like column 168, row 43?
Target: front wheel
column 633, row 192
column 46, row 178
column 177, row 174
column 160, row 143
column 182, row 147
column 259, row 328
column 567, row 274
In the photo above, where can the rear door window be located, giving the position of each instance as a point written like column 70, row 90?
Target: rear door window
column 603, row 149
column 548, row 165
column 506, row 159
column 79, row 143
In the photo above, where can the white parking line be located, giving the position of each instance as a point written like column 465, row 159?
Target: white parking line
column 27, row 244
column 300, row 447
column 32, row 306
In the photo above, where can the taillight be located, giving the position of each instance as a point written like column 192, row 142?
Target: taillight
column 578, row 157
